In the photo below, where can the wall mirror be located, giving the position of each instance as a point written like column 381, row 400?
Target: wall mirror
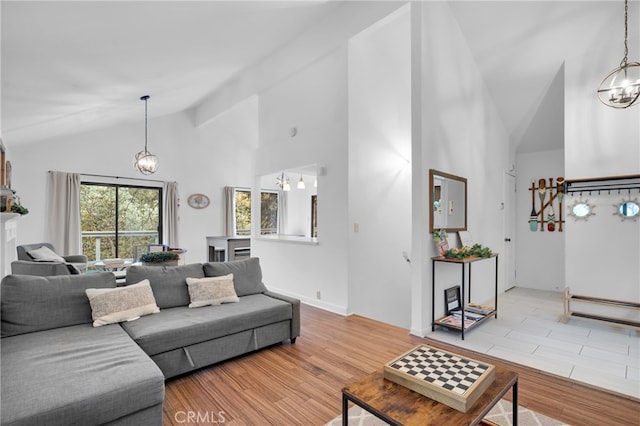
column 581, row 210
column 448, row 201
column 628, row 209
column 289, row 204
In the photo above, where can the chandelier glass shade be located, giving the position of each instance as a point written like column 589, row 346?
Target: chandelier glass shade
column 283, row 182
column 621, row 87
column 144, row 161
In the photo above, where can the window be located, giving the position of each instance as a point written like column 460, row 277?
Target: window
column 268, row 212
column 242, row 200
column 118, row 221
column 242, row 212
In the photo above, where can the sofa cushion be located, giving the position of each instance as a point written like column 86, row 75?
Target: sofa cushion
column 76, row 375
column 112, row 305
column 247, row 274
column 45, row 254
column 31, row 303
column 169, row 283
column 180, row 327
column 211, row 291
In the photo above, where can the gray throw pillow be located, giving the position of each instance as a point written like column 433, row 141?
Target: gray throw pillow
column 31, row 303
column 169, row 283
column 247, row 274
column 45, row 254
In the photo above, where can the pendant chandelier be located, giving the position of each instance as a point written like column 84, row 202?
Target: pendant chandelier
column 144, row 161
column 621, row 88
column 283, row 182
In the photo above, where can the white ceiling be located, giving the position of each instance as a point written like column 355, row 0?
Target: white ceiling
column 80, row 65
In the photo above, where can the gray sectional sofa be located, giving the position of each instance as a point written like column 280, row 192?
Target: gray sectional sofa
column 58, row 369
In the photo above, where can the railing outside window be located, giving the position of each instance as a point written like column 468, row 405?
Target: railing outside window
column 102, row 243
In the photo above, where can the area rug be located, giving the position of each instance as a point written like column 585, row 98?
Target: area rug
column 500, row 414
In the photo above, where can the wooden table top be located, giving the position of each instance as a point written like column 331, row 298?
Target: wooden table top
column 401, row 405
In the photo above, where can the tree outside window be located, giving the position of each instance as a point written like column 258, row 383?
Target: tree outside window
column 242, row 212
column 268, row 212
column 118, row 221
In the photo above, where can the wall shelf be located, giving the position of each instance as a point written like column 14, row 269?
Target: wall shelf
column 608, row 184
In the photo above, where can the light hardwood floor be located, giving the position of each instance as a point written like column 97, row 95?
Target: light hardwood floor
column 301, row 384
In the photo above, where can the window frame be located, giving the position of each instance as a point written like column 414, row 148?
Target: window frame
column 237, row 189
column 117, row 186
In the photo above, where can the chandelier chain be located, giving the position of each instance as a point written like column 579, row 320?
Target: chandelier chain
column 146, row 98
column 623, row 64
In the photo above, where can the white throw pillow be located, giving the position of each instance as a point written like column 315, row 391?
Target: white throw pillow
column 211, row 291
column 45, row 254
column 112, row 305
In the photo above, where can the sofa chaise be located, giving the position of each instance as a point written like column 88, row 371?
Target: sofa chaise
column 58, row 368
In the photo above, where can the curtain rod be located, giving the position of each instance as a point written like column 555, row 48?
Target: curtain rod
column 120, row 177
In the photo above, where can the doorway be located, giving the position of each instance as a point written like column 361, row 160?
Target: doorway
column 509, row 232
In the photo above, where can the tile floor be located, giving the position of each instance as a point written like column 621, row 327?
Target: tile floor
column 529, row 331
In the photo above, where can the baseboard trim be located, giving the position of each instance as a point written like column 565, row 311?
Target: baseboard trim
column 336, row 309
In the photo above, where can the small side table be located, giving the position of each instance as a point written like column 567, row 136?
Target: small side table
column 462, row 262
column 118, row 269
column 398, row 405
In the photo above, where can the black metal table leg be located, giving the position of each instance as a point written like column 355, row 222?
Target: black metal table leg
column 515, row 403
column 345, row 410
column 495, row 301
column 462, row 303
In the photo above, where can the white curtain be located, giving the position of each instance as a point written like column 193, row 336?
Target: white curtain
column 283, row 208
column 229, row 212
column 63, row 222
column 170, row 214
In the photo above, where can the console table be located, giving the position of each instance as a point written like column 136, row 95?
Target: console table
column 222, row 248
column 463, row 264
column 399, row 405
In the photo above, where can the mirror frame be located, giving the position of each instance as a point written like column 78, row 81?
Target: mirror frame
column 432, row 174
column 577, row 203
column 623, row 203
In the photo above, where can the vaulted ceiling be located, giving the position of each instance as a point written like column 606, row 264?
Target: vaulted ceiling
column 75, row 66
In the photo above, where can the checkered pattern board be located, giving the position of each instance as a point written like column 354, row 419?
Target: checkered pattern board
column 443, row 369
column 443, row 376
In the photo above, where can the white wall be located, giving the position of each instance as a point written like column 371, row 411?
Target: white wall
column 380, row 171
column 603, row 254
column 201, row 160
column 540, row 260
column 314, row 101
column 462, row 134
column 220, row 154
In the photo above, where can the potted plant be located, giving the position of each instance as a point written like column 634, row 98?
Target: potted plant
column 440, row 238
column 160, row 258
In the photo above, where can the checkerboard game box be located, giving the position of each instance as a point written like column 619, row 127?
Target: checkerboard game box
column 443, row 376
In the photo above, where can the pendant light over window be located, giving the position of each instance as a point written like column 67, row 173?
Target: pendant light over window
column 621, row 88
column 145, row 162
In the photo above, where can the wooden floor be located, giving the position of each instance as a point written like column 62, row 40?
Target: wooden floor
column 301, row 384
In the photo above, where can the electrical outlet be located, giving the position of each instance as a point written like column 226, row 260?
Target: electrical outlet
column 318, row 295
column 356, row 227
